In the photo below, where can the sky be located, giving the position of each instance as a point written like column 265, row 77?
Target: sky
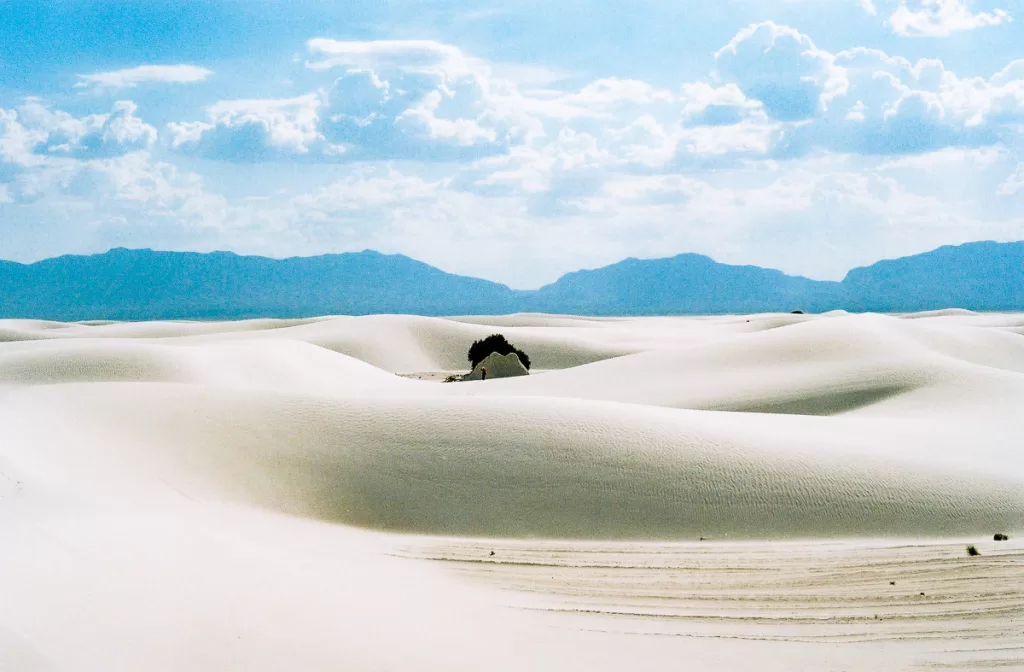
column 514, row 140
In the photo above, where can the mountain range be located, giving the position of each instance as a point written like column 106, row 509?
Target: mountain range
column 124, row 284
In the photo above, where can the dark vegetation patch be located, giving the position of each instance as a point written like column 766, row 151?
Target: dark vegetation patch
column 479, row 351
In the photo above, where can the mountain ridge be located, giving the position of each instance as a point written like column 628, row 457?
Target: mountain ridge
column 143, row 284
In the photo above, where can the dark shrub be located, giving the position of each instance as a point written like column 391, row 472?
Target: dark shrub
column 797, row 312
column 495, row 343
column 972, row 550
column 1001, row 537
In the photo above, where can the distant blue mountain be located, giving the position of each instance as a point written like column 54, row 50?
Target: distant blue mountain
column 978, row 276
column 143, row 284
column 686, row 284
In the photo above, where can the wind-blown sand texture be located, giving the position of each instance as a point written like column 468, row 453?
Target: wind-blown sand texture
column 749, row 492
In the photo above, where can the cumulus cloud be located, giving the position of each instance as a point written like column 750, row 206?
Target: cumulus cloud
column 132, row 188
column 441, row 93
column 403, row 99
column 782, row 68
column 400, row 99
column 35, row 129
column 253, row 130
column 538, row 168
column 408, row 116
column 645, row 142
column 774, row 94
column 968, row 103
column 863, row 100
column 17, row 143
column 462, row 131
column 549, row 150
column 143, row 74
column 705, row 104
column 942, row 18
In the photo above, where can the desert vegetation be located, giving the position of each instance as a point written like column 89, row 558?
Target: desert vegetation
column 494, row 343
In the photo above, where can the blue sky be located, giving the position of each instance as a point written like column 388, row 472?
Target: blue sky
column 514, row 140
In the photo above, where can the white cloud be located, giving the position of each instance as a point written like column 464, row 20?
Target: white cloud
column 246, row 130
column 976, row 158
column 414, row 56
column 535, row 169
column 132, row 186
column 35, row 129
column 856, row 113
column 645, row 142
column 613, row 91
column 413, row 98
column 1013, row 184
column 781, row 67
column 464, row 131
column 479, row 103
column 375, row 189
column 868, row 6
column 886, row 82
column 18, row 142
column 143, row 74
column 744, row 138
column 863, row 100
column 436, row 91
column 123, row 129
column 942, row 18
column 699, row 96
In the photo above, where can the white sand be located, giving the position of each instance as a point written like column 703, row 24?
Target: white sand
column 240, row 495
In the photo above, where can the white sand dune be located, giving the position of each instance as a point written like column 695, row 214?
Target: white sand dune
column 189, row 495
column 821, row 367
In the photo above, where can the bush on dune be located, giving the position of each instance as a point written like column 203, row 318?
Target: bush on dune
column 495, row 343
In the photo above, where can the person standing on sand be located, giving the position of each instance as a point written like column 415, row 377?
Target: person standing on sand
column 483, row 374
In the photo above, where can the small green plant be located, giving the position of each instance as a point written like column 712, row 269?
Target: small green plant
column 972, row 550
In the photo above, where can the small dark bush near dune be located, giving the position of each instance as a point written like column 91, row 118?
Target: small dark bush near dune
column 495, row 343
column 1000, row 537
column 972, row 550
